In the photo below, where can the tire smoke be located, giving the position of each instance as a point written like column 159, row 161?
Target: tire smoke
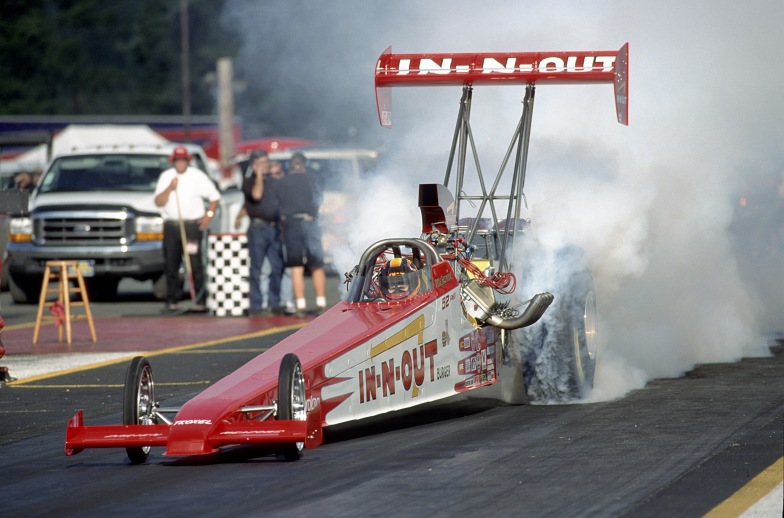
column 681, row 214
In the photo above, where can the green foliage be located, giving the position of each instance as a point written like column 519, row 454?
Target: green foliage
column 103, row 57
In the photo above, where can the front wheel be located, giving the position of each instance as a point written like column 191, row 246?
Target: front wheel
column 139, row 403
column 291, row 400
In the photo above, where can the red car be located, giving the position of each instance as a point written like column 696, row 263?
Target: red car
column 425, row 318
column 2, row 325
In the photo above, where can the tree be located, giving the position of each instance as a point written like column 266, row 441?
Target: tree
column 102, row 57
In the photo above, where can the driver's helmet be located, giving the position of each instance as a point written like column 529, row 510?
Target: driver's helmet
column 399, row 279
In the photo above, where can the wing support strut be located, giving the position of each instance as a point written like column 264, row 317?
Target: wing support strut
column 462, row 140
column 497, row 68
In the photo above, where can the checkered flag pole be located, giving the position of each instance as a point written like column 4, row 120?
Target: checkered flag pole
column 228, row 287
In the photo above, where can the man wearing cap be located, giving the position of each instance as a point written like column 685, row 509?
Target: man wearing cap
column 299, row 196
column 180, row 193
column 261, row 206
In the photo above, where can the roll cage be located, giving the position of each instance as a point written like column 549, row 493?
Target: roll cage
column 364, row 277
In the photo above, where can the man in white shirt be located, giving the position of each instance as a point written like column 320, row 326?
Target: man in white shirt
column 181, row 192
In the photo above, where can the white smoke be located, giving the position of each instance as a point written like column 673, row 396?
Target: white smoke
column 651, row 204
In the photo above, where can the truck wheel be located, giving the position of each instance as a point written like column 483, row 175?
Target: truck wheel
column 102, row 289
column 139, row 402
column 291, row 400
column 559, row 357
column 24, row 290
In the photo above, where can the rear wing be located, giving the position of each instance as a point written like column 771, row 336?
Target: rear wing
column 499, row 68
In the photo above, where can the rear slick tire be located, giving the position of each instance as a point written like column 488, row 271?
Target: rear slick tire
column 559, row 354
column 291, row 400
column 139, row 403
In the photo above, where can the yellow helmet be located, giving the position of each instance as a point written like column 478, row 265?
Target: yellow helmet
column 399, row 279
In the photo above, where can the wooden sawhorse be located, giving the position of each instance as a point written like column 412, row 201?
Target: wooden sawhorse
column 63, row 272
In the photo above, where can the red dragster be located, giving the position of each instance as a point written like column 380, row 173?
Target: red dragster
column 424, row 318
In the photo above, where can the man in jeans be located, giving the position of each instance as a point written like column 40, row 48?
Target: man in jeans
column 261, row 206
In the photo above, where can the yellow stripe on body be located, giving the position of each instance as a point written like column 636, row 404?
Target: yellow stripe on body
column 416, row 327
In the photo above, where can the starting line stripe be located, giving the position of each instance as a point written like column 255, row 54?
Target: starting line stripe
column 755, row 490
column 169, row 350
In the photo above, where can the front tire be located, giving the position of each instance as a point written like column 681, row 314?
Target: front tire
column 291, row 400
column 139, row 403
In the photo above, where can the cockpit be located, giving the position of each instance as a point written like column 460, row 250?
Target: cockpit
column 393, row 270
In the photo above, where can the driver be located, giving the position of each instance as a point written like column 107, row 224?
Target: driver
column 399, row 279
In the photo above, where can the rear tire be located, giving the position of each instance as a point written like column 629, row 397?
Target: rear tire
column 291, row 400
column 139, row 403
column 559, row 357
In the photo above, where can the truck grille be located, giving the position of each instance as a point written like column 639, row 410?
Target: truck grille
column 98, row 230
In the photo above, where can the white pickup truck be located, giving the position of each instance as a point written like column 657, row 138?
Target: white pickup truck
column 95, row 205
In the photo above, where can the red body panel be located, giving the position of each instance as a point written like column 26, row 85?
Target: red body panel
column 495, row 67
column 214, row 418
column 603, row 66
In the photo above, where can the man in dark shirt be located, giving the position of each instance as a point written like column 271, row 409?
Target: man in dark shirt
column 263, row 233
column 299, row 197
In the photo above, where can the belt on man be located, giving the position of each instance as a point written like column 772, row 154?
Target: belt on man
column 262, row 221
column 302, row 215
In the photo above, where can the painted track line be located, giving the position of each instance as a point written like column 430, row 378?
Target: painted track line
column 759, row 493
column 114, row 358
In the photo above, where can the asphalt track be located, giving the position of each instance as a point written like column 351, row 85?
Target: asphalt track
column 678, row 447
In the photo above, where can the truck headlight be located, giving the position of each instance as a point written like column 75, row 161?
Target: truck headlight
column 149, row 228
column 20, row 230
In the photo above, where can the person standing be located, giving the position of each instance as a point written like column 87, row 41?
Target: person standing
column 286, row 292
column 299, row 196
column 181, row 193
column 261, row 205
column 23, row 181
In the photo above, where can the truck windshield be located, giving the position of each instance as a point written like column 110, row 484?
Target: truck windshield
column 104, row 172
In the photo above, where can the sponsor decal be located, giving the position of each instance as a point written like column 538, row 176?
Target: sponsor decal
column 133, row 435
column 253, row 432
column 478, row 368
column 408, row 371
column 440, row 281
column 412, row 369
column 312, row 403
column 507, row 65
column 192, row 421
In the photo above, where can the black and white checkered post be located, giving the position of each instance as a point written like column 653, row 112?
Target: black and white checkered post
column 228, row 288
